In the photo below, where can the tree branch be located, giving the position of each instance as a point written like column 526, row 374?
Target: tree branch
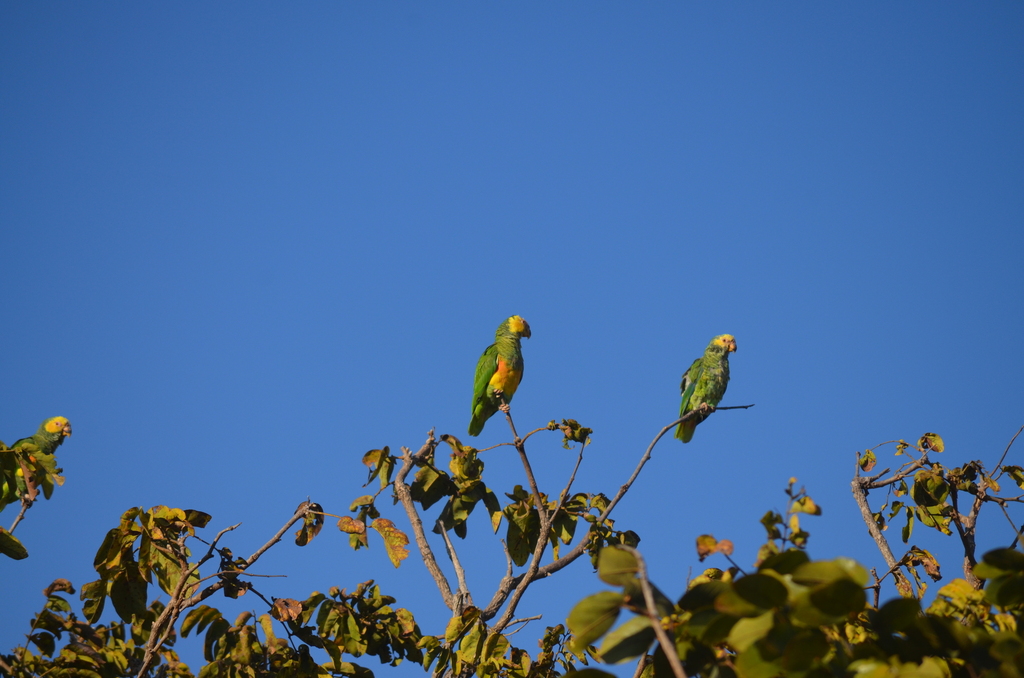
column 405, row 498
column 508, row 583
column 175, row 605
column 667, row 646
column 859, row 487
column 999, row 466
column 543, row 537
column 464, row 596
column 521, row 449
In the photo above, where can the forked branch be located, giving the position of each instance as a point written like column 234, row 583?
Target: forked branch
column 509, row 583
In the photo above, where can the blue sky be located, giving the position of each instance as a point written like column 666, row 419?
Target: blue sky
column 246, row 243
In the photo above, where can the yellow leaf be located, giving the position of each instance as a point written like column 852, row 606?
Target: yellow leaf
column 706, row 545
column 394, row 540
column 351, row 525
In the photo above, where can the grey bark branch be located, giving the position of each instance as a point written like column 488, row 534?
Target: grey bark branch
column 859, row 487
column 465, row 597
column 405, row 498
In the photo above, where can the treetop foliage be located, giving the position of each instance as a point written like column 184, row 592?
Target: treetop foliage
column 785, row 615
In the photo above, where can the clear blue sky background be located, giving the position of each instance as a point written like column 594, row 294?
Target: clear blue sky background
column 246, row 243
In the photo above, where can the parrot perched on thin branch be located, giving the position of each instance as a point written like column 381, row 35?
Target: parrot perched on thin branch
column 704, row 383
column 48, row 438
column 500, row 369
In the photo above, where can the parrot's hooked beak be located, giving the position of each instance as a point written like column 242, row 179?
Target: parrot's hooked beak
column 66, row 431
column 732, row 346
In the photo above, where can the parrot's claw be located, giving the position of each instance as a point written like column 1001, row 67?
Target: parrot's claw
column 706, row 409
column 504, row 408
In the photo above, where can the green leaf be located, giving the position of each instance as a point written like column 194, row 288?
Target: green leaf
column 703, row 595
column 593, row 616
column 930, row 488
column 630, row 640
column 493, row 509
column 1006, row 591
column 730, row 602
column 11, row 547
column 825, row 571
column 908, row 529
column 785, row 562
column 471, row 645
column 1017, row 473
column 1006, row 560
column 839, row 598
column 762, row 590
column 898, row 615
column 430, row 486
column 931, row 441
column 753, row 664
column 458, row 626
column 128, row 593
column 45, row 642
column 617, row 566
column 748, row 631
column 592, row 673
column 804, row 648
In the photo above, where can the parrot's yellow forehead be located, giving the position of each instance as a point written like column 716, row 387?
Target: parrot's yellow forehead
column 58, row 424
column 726, row 341
column 519, row 326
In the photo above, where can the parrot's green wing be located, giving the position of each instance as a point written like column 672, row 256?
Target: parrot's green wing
column 483, row 406
column 690, row 378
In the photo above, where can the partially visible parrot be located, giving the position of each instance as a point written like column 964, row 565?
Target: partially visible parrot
column 48, row 438
column 704, row 383
column 500, row 368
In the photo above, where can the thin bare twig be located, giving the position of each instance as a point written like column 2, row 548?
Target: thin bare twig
column 524, row 621
column 870, row 484
column 521, row 449
column 1016, row 538
column 543, row 536
column 464, row 596
column 525, row 438
column 999, row 466
column 876, row 587
column 572, row 477
column 21, row 514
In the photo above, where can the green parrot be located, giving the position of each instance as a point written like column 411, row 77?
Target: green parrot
column 48, row 438
column 500, row 368
column 704, row 383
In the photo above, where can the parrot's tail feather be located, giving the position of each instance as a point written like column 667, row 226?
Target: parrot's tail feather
column 685, row 430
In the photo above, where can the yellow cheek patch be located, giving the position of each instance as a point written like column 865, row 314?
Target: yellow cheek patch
column 517, row 324
column 56, row 424
column 726, row 341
